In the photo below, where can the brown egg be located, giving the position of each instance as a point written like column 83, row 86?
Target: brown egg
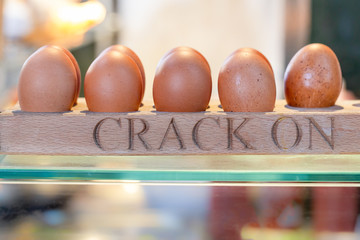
column 135, row 57
column 183, row 48
column 182, row 81
column 247, row 83
column 48, row 81
column 254, row 51
column 313, row 77
column 78, row 74
column 113, row 83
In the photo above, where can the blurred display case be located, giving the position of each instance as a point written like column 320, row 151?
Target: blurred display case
column 179, row 197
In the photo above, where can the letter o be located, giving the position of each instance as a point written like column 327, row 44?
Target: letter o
column 274, row 133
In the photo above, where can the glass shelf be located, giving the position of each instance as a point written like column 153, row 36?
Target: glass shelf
column 212, row 168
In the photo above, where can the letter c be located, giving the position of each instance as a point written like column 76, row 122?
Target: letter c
column 195, row 132
column 96, row 133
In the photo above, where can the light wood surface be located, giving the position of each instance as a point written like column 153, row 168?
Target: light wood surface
column 286, row 130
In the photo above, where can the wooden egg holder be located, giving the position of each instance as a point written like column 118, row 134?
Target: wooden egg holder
column 286, row 130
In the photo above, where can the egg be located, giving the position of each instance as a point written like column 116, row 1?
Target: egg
column 48, row 81
column 182, row 81
column 313, row 77
column 135, row 57
column 113, row 83
column 78, row 73
column 183, row 48
column 246, row 82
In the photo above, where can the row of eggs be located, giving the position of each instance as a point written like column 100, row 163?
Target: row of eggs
column 115, row 81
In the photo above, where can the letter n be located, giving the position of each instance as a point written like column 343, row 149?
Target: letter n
column 329, row 140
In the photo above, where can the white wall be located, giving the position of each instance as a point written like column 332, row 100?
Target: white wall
column 213, row 27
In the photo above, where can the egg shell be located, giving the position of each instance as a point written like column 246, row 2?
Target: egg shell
column 113, row 83
column 47, row 82
column 246, row 82
column 182, row 82
column 313, row 77
column 254, row 51
column 78, row 73
column 135, row 57
column 184, row 48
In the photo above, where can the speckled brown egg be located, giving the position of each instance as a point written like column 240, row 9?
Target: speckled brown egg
column 135, row 57
column 313, row 77
column 113, row 83
column 182, row 81
column 48, row 81
column 246, row 82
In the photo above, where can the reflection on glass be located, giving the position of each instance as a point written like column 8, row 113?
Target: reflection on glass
column 155, row 211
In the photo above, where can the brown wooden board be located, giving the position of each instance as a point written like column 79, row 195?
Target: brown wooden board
column 148, row 132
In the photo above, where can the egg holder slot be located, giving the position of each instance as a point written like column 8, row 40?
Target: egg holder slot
column 286, row 130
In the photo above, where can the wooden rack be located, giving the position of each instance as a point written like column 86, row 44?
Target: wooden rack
column 286, row 130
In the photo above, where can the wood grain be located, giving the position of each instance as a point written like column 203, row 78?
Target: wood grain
column 334, row 130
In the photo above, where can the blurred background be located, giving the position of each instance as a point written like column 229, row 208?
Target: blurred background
column 277, row 28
